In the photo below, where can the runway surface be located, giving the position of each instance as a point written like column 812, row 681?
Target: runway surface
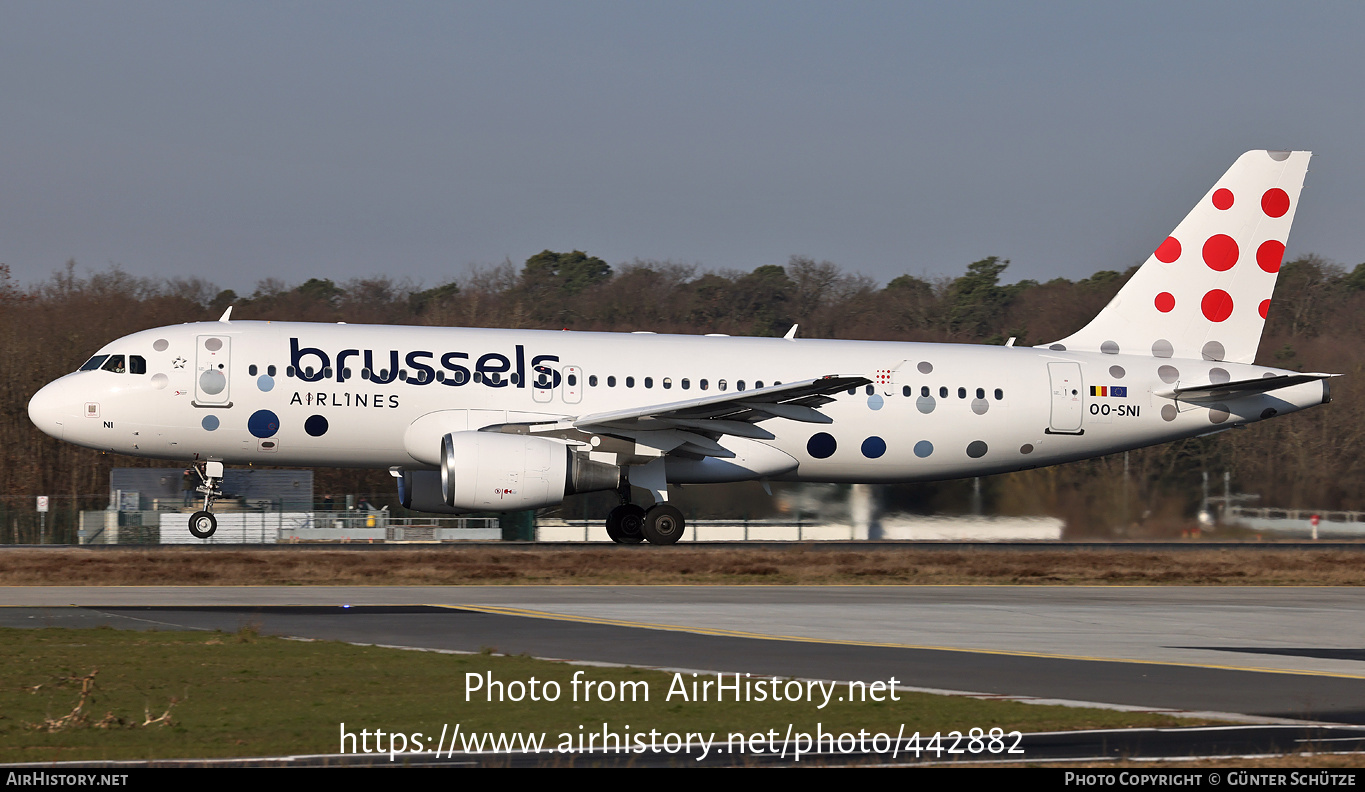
column 1292, row 653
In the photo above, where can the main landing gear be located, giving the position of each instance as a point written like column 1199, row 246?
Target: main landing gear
column 203, row 523
column 661, row 524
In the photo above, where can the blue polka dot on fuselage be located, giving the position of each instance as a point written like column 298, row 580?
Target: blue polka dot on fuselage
column 874, row 447
column 316, row 425
column 923, row 449
column 875, row 402
column 821, row 445
column 265, row 382
column 209, row 423
column 263, row 424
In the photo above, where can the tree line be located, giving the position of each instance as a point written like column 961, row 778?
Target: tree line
column 1308, row 460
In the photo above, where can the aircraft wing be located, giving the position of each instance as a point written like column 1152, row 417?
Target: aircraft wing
column 693, row 426
column 1233, row 390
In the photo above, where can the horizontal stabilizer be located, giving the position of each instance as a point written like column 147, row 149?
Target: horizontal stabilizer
column 1226, row 391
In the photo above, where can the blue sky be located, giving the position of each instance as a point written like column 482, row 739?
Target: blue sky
column 238, row 141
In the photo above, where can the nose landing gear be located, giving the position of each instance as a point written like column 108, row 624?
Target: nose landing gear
column 203, row 523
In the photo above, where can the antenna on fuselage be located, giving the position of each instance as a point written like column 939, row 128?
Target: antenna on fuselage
column 791, row 334
column 226, row 314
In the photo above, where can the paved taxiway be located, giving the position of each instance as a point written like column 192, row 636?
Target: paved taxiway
column 1275, row 652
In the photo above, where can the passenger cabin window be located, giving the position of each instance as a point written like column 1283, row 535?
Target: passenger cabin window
column 271, row 371
column 720, row 385
column 649, row 382
column 686, row 383
column 905, row 390
column 251, row 369
column 999, row 394
column 611, row 382
column 630, row 382
column 668, row 382
column 592, row 381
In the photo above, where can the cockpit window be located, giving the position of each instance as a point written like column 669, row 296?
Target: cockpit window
column 94, row 362
column 137, row 364
column 114, row 364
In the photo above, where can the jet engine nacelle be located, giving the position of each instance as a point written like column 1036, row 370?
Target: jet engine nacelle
column 492, row 471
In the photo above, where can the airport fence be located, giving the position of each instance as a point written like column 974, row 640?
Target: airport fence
column 88, row 519
column 1299, row 522
column 21, row 521
column 281, row 527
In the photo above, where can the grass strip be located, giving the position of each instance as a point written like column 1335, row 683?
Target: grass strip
column 794, row 564
column 158, row 695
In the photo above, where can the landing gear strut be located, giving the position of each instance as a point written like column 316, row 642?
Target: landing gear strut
column 203, row 523
column 625, row 521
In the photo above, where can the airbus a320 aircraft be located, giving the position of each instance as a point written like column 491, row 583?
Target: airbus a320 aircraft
column 500, row 420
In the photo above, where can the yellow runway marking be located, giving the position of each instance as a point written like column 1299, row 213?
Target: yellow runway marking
column 535, row 614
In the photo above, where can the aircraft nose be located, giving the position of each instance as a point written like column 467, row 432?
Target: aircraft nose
column 50, row 410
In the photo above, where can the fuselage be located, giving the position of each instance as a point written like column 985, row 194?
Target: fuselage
column 280, row 393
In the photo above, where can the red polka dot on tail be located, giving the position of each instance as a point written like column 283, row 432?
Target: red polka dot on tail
column 1169, row 250
column 1269, row 255
column 1275, row 202
column 1165, row 302
column 1217, row 305
column 1265, row 306
column 1223, row 199
column 1220, row 252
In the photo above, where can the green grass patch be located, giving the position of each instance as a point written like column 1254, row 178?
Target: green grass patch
column 241, row 694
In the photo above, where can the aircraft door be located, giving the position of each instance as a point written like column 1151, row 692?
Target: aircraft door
column 543, row 383
column 1067, row 406
column 211, row 371
column 573, row 385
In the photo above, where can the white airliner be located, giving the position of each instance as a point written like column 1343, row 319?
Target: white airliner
column 500, row 420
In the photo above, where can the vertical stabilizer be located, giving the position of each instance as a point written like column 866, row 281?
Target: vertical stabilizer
column 1205, row 291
